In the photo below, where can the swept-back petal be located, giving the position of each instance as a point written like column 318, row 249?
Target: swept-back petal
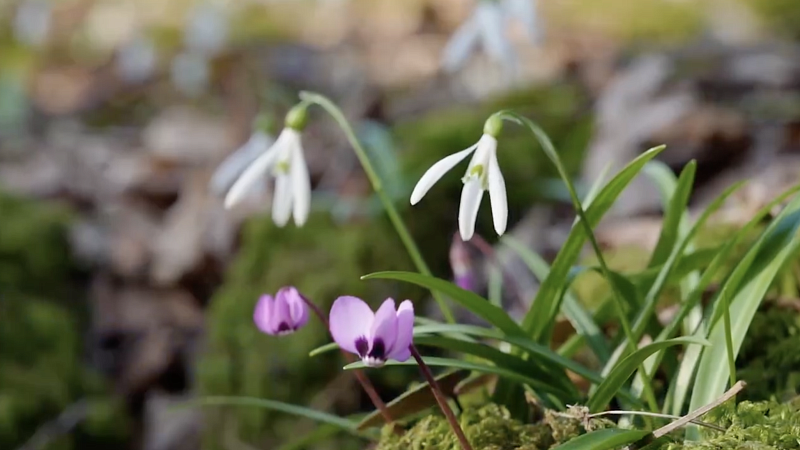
column 497, row 195
column 235, row 164
column 384, row 327
column 460, row 45
column 251, row 175
column 282, row 201
column 436, row 171
column 262, row 315
column 471, row 197
column 350, row 319
column 405, row 331
column 301, row 185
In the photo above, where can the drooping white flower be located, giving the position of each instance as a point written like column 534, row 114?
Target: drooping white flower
column 483, row 173
column 487, row 26
column 283, row 160
column 234, row 165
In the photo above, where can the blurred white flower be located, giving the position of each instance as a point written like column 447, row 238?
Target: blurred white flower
column 206, row 30
column 190, row 73
column 137, row 59
column 32, row 22
column 487, row 26
column 234, row 165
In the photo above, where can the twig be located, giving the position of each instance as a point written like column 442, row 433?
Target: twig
column 63, row 424
column 653, row 414
column 670, row 427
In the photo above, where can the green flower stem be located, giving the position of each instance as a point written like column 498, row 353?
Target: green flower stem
column 550, row 150
column 440, row 399
column 377, row 186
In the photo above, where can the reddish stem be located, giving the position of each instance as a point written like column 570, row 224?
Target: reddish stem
column 440, row 399
column 367, row 385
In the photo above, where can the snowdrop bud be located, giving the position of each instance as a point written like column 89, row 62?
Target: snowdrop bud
column 493, row 126
column 297, row 117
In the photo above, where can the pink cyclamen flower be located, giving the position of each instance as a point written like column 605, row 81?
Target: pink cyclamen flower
column 375, row 338
column 284, row 314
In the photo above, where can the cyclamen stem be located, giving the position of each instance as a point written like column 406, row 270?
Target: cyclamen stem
column 367, row 385
column 377, row 186
column 440, row 399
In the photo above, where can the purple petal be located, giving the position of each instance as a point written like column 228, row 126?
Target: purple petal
column 465, row 282
column 384, row 330
column 298, row 309
column 281, row 322
column 263, row 313
column 405, row 332
column 350, row 320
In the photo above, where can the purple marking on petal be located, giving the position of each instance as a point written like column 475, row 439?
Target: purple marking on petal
column 362, row 346
column 384, row 327
column 263, row 313
column 405, row 331
column 350, row 320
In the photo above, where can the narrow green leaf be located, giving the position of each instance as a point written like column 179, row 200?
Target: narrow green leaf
column 417, row 398
column 300, row 411
column 747, row 290
column 678, row 198
column 546, row 382
column 605, row 439
column 545, row 306
column 684, row 379
column 473, row 302
column 459, row 364
column 580, row 319
column 619, row 375
column 651, row 299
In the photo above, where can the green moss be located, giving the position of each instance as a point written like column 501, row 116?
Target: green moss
column 41, row 370
column 488, row 427
column 750, row 425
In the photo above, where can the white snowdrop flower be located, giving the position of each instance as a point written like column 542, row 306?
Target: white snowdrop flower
column 487, row 27
column 137, row 59
column 234, row 165
column 32, row 22
column 206, row 30
column 190, row 73
column 283, row 160
column 483, row 173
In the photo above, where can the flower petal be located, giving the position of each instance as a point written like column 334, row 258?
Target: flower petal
column 251, row 175
column 263, row 313
column 436, row 171
column 298, row 309
column 402, row 355
column 384, row 328
column 405, row 331
column 460, row 45
column 471, row 197
column 497, row 195
column 301, row 185
column 489, row 16
column 350, row 319
column 282, row 200
column 236, row 163
column 281, row 321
